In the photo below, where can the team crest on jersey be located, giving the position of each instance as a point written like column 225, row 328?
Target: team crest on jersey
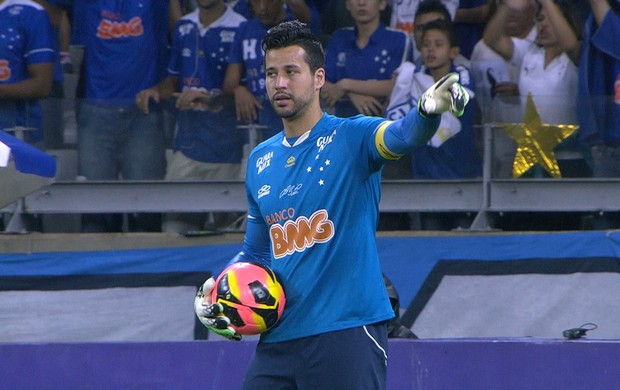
column 290, row 162
column 263, row 162
column 186, row 28
column 16, row 10
column 341, row 59
column 227, row 36
column 322, row 142
column 299, row 234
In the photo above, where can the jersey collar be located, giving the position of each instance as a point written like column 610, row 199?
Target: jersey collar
column 299, row 140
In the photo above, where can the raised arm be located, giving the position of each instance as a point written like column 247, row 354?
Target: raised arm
column 475, row 15
column 301, row 10
column 395, row 139
column 566, row 35
column 599, row 10
column 495, row 35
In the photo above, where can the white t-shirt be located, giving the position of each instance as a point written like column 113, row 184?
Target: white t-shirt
column 553, row 88
column 487, row 67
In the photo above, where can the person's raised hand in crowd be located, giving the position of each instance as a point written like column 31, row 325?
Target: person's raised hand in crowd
column 599, row 9
column 517, row 5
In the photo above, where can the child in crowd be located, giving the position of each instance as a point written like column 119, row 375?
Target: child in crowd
column 426, row 12
column 452, row 152
column 360, row 62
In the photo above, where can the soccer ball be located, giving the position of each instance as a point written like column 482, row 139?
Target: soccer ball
column 251, row 296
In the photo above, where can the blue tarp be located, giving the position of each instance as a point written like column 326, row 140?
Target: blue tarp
column 406, row 260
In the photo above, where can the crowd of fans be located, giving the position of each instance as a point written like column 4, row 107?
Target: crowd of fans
column 196, row 67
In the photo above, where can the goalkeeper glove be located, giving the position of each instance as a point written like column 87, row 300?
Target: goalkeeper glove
column 209, row 313
column 445, row 95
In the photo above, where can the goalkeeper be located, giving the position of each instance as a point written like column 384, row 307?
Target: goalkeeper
column 313, row 193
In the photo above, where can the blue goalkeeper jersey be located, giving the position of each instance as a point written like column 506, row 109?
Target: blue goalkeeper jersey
column 317, row 199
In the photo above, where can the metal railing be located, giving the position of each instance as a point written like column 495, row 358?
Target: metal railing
column 483, row 197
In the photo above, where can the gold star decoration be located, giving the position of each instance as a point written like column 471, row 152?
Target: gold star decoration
column 536, row 141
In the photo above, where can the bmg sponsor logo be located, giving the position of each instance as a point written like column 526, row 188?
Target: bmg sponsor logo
column 109, row 29
column 301, row 233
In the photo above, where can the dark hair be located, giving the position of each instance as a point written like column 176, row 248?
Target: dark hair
column 297, row 33
column 574, row 13
column 445, row 26
column 429, row 6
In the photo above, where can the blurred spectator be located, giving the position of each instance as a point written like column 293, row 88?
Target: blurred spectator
column 428, row 11
column 305, row 11
column 452, row 152
column 53, row 105
column 179, row 8
column 27, row 59
column 360, row 62
column 207, row 145
column 548, row 70
column 470, row 19
column 404, row 13
column 64, row 39
column 497, row 89
column 598, row 100
column 245, row 74
column 335, row 15
column 126, row 50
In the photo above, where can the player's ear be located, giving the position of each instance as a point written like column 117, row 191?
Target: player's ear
column 319, row 78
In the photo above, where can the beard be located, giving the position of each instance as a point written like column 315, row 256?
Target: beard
column 300, row 105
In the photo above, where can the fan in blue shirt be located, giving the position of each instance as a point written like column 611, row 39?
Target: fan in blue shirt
column 27, row 58
column 360, row 61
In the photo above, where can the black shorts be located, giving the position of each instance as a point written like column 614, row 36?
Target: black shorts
column 353, row 359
